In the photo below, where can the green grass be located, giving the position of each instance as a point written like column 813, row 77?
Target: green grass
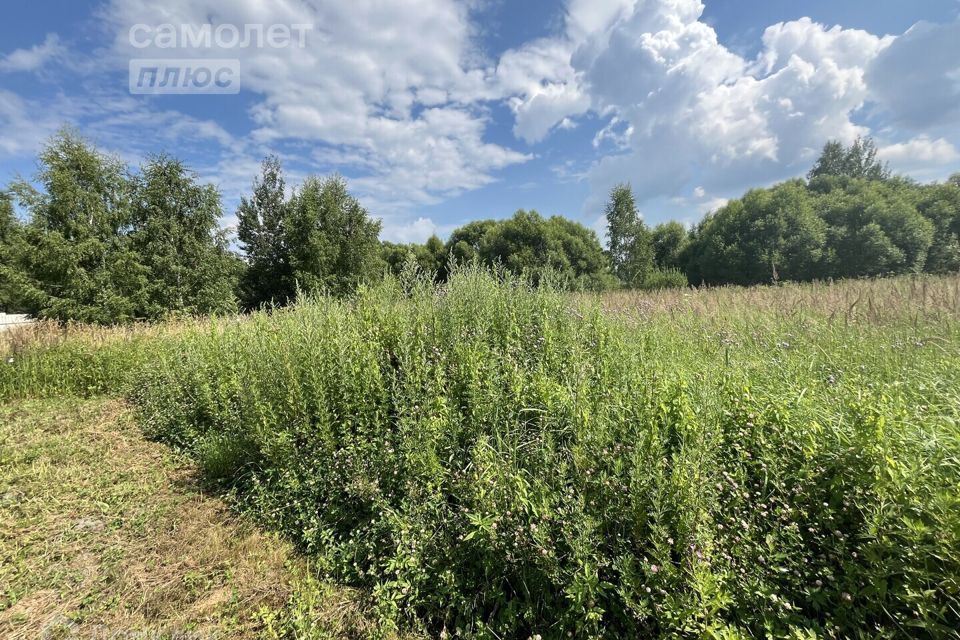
column 104, row 534
column 490, row 460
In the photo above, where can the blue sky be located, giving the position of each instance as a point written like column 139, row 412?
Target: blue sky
column 444, row 111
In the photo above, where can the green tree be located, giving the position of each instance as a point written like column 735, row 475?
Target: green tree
column 465, row 242
column 430, row 256
column 670, row 241
column 332, row 240
column 631, row 247
column 859, row 160
column 875, row 228
column 12, row 252
column 176, row 235
column 529, row 244
column 261, row 232
column 769, row 234
column 940, row 204
column 80, row 265
column 576, row 252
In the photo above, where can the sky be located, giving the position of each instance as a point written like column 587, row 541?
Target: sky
column 439, row 112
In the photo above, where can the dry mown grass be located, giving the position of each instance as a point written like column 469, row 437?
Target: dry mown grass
column 103, row 533
column 46, row 334
column 844, row 301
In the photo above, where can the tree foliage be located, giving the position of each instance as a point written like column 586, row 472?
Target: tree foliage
column 99, row 243
column 332, row 241
column 631, row 246
column 104, row 246
column 261, row 232
column 320, row 239
column 852, row 219
column 670, row 240
column 859, row 160
column 176, row 234
column 430, row 257
column 529, row 244
column 768, row 235
column 80, row 265
column 12, row 252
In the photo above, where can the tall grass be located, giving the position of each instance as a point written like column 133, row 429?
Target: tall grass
column 49, row 359
column 492, row 460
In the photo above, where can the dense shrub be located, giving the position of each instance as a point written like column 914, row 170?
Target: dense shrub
column 664, row 279
column 491, row 461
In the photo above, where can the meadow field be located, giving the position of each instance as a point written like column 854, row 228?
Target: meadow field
column 485, row 459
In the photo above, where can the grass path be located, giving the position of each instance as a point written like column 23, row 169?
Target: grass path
column 104, row 534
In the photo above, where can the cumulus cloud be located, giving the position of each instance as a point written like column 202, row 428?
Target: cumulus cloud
column 388, row 84
column 680, row 106
column 917, row 78
column 698, row 108
column 542, row 87
column 811, row 41
column 407, row 231
column 34, row 58
column 919, row 153
column 400, row 96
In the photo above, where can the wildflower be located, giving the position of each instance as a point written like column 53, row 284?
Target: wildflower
column 654, row 568
column 846, row 597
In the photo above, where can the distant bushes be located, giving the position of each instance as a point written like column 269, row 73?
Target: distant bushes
column 526, row 244
column 664, row 279
column 103, row 244
column 492, row 462
column 850, row 219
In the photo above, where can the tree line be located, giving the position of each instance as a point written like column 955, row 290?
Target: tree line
column 101, row 243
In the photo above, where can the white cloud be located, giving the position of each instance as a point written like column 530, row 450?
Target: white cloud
column 24, row 128
column 921, row 152
column 917, row 78
column 543, row 86
column 680, row 106
column 714, row 114
column 810, row 41
column 387, row 84
column 34, row 58
column 398, row 95
column 683, row 107
column 418, row 230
